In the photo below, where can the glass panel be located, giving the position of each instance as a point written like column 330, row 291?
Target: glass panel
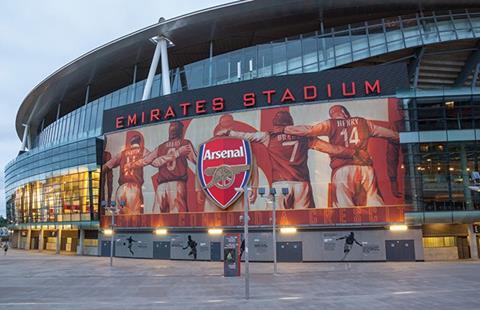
column 93, row 118
column 250, row 63
column 221, row 65
column 310, row 54
column 294, row 56
column 279, row 58
column 264, row 61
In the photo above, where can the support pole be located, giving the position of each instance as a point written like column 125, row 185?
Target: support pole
column 274, row 232
column 151, row 73
column 167, row 90
column 245, row 236
column 25, row 137
column 134, row 80
column 112, row 240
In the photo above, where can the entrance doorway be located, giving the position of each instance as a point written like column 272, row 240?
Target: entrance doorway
column 463, row 248
column 400, row 250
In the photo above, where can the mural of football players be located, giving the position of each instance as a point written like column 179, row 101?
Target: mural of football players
column 227, row 122
column 171, row 158
column 129, row 193
column 107, row 179
column 354, row 180
column 289, row 157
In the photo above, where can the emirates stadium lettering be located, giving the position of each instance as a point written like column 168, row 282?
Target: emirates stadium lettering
column 260, row 93
column 249, row 100
column 209, row 155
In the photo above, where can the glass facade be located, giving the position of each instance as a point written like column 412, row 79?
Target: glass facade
column 311, row 52
column 61, row 198
column 440, row 165
column 60, row 184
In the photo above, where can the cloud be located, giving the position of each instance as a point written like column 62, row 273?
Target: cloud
column 38, row 37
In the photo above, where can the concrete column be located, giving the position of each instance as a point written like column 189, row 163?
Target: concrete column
column 59, row 241
column 29, row 237
column 151, row 72
column 472, row 240
column 80, row 242
column 40, row 240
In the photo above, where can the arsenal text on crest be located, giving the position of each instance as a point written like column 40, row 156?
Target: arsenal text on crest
column 224, row 154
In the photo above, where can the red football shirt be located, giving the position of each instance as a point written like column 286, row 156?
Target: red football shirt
column 175, row 170
column 350, row 133
column 132, row 175
column 289, row 155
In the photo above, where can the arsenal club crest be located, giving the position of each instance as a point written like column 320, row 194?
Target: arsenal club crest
column 223, row 165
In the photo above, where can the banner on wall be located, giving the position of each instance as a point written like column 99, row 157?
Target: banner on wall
column 340, row 161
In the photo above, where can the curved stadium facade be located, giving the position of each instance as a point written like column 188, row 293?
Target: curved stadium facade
column 361, row 114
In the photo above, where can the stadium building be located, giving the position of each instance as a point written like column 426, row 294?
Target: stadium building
column 364, row 117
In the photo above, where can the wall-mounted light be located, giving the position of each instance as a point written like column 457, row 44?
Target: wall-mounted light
column 108, row 232
column 450, row 104
column 161, row 231
column 215, row 231
column 398, row 227
column 288, row 230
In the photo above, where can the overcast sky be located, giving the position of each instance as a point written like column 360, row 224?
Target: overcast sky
column 38, row 37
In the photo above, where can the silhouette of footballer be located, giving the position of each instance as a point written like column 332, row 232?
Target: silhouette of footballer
column 130, row 241
column 242, row 248
column 349, row 240
column 193, row 247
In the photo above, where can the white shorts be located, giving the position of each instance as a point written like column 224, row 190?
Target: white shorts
column 170, row 197
column 299, row 195
column 355, row 186
column 129, row 195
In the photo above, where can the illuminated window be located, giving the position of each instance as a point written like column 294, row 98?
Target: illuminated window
column 439, row 242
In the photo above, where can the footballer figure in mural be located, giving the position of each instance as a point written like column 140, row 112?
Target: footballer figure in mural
column 289, row 157
column 354, row 182
column 129, row 192
column 171, row 158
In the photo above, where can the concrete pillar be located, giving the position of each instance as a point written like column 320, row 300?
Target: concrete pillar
column 59, row 241
column 40, row 240
column 467, row 193
column 19, row 238
column 472, row 240
column 80, row 242
column 29, row 237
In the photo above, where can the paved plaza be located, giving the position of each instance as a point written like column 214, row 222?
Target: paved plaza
column 31, row 280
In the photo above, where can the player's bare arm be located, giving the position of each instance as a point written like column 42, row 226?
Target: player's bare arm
column 320, row 129
column 140, row 163
column 383, row 132
column 159, row 161
column 393, row 149
column 112, row 163
column 191, row 153
column 254, row 137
